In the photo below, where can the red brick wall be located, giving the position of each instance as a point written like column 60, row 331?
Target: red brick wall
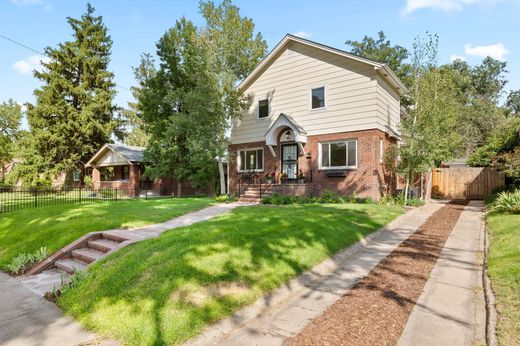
column 366, row 181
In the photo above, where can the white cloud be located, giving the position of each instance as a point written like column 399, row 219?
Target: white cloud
column 303, row 34
column 457, row 57
column 496, row 51
column 33, row 62
column 443, row 5
column 27, row 2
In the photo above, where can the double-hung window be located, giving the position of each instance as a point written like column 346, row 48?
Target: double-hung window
column 339, row 154
column 251, row 160
column 263, row 108
column 76, row 175
column 125, row 172
column 318, row 98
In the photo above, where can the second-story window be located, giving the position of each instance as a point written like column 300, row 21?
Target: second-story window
column 263, row 108
column 318, row 98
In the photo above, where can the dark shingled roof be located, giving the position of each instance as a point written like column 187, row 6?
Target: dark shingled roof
column 130, row 153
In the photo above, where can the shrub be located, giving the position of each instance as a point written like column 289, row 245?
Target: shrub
column 23, row 261
column 225, row 198
column 507, row 202
column 328, row 196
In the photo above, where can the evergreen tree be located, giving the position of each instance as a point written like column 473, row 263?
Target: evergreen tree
column 74, row 114
column 10, row 118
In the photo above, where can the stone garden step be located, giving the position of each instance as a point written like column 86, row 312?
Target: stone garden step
column 87, row 255
column 102, row 245
column 70, row 265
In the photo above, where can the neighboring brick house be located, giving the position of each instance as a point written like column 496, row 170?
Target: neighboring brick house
column 320, row 110
column 122, row 167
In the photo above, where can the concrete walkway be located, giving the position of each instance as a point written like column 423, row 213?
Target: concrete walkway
column 49, row 279
column 451, row 310
column 287, row 310
column 26, row 319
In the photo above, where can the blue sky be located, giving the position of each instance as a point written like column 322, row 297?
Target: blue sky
column 470, row 29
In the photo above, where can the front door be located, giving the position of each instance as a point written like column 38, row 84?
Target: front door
column 290, row 160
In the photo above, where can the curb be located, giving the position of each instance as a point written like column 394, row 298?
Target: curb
column 491, row 311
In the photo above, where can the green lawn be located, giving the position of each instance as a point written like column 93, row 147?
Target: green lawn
column 504, row 270
column 56, row 226
column 166, row 290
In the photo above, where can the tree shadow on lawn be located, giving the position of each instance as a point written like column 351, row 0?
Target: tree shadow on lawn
column 256, row 248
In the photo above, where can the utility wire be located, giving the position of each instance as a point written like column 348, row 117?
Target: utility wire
column 41, row 53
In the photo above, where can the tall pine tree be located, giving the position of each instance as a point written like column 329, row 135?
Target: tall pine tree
column 74, row 114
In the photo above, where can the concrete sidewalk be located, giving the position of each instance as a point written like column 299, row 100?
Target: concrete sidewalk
column 287, row 310
column 451, row 310
column 26, row 319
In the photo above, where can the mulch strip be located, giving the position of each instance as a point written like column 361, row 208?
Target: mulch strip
column 376, row 309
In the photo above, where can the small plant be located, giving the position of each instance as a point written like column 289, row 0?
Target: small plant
column 23, row 261
column 75, row 280
column 507, row 202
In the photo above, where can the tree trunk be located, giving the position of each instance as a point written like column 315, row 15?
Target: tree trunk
column 406, row 187
column 222, row 176
column 179, row 189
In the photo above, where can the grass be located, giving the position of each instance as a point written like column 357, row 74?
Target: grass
column 166, row 290
column 53, row 227
column 504, row 270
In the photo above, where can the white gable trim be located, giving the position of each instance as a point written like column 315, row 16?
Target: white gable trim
column 99, row 154
column 380, row 68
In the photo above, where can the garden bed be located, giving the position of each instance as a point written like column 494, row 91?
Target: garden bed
column 376, row 309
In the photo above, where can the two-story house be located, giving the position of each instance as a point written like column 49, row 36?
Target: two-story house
column 319, row 112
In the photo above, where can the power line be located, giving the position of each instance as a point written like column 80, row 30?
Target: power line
column 41, row 53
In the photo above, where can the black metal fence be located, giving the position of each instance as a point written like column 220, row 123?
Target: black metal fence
column 12, row 199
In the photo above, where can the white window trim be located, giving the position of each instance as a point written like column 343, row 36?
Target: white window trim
column 324, row 95
column 320, row 167
column 74, row 175
column 239, row 160
column 258, row 109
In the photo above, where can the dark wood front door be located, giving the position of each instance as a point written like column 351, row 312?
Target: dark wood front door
column 290, row 160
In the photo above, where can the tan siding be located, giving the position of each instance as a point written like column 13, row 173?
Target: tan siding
column 354, row 101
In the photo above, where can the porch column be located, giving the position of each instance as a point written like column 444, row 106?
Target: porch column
column 133, row 180
column 96, row 178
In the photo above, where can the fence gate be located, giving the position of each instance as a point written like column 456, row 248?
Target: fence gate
column 466, row 182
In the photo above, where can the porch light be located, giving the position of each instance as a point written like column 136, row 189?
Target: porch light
column 288, row 135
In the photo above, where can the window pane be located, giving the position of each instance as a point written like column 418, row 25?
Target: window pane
column 251, row 159
column 318, row 97
column 242, row 165
column 338, row 154
column 263, row 108
column 352, row 149
column 260, row 159
column 325, row 154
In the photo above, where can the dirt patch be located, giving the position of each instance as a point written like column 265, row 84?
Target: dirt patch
column 376, row 309
column 198, row 296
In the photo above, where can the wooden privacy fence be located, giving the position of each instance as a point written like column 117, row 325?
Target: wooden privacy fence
column 466, row 182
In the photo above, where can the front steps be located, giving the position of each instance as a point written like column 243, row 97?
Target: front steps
column 252, row 194
column 55, row 271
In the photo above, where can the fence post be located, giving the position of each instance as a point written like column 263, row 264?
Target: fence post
column 116, row 194
column 35, row 198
